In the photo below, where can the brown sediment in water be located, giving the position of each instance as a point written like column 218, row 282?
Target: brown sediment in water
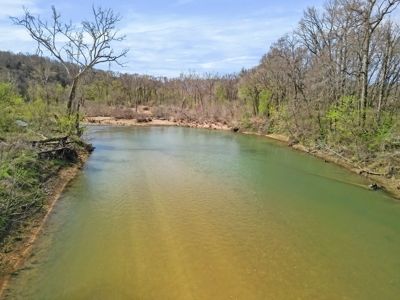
column 16, row 250
column 164, row 225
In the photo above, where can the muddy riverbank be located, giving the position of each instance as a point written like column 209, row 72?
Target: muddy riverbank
column 16, row 246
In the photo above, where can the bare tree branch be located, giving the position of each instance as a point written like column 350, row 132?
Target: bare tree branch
column 86, row 47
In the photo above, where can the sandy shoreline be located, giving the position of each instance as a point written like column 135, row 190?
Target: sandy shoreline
column 387, row 184
column 155, row 122
column 15, row 252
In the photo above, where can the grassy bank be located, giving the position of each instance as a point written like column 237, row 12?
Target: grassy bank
column 33, row 174
column 37, row 145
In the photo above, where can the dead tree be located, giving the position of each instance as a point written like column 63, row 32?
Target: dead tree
column 85, row 46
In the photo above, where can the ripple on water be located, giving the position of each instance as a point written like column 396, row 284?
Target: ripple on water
column 173, row 213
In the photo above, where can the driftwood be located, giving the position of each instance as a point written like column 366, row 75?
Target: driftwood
column 59, row 139
column 338, row 154
column 66, row 153
column 56, row 147
column 371, row 173
column 312, row 152
column 361, row 170
column 54, row 150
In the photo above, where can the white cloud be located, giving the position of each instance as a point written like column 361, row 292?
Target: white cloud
column 15, row 8
column 15, row 38
column 165, row 44
column 199, row 43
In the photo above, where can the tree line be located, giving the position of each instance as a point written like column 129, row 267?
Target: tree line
column 332, row 83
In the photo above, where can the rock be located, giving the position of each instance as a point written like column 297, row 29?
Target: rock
column 374, row 186
column 235, row 129
column 141, row 120
column 89, row 147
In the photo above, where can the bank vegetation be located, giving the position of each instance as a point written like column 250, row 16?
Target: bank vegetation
column 39, row 129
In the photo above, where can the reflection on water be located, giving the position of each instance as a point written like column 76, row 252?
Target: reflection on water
column 174, row 213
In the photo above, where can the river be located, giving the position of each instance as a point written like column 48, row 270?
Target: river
column 180, row 213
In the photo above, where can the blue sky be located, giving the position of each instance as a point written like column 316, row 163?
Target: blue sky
column 169, row 37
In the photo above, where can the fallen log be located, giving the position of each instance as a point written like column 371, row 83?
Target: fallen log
column 311, row 152
column 64, row 152
column 338, row 154
column 54, row 150
column 62, row 138
column 370, row 173
column 361, row 170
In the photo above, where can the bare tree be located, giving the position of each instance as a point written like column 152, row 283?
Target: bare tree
column 86, row 45
column 211, row 81
column 389, row 60
column 128, row 82
column 184, row 86
column 370, row 14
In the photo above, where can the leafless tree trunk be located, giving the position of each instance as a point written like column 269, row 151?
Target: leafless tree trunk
column 86, row 45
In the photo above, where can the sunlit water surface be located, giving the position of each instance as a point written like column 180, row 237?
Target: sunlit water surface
column 178, row 213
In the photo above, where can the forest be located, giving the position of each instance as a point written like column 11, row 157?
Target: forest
column 332, row 84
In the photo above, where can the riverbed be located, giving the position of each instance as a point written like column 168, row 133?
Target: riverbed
column 180, row 213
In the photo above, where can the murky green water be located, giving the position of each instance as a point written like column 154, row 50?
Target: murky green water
column 175, row 213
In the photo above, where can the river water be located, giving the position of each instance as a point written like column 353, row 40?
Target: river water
column 179, row 213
